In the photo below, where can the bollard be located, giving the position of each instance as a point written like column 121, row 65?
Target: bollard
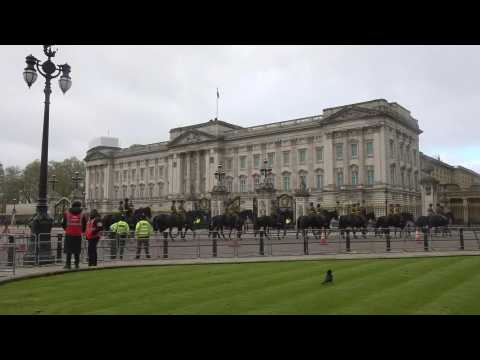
column 387, row 237
column 11, row 249
column 348, row 240
column 59, row 247
column 462, row 244
column 214, row 244
column 305, row 244
column 262, row 247
column 165, row 248
column 425, row 240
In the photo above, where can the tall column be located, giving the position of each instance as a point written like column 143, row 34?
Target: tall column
column 465, row 211
column 329, row 177
column 198, row 173
column 188, row 164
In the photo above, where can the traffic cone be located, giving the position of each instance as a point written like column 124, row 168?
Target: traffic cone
column 418, row 236
column 323, row 241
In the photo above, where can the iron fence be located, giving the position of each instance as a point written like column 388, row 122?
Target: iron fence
column 23, row 251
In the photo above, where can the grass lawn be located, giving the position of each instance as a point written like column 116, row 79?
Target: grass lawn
column 443, row 285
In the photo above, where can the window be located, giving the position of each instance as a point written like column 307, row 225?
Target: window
column 256, row 181
column 160, row 189
column 392, row 174
column 339, row 177
column 256, row 161
column 339, row 151
column 271, row 158
column 415, row 176
column 124, row 192
column 302, row 156
column 400, row 152
column 160, row 171
column 150, row 191
column 271, row 179
column 407, row 154
column 243, row 184
column 229, row 163
column 302, row 179
column 370, row 176
column 286, row 158
column 142, row 187
column 319, row 181
column 229, row 184
column 132, row 192
column 116, row 193
column 152, row 173
column 392, row 150
column 319, row 153
column 402, row 176
column 414, row 157
column 354, row 176
column 354, row 148
column 370, row 149
column 133, row 175
column 125, row 176
column 243, row 162
column 286, row 183
column 409, row 179
column 142, row 174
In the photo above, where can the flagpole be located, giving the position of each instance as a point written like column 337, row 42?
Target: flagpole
column 217, row 105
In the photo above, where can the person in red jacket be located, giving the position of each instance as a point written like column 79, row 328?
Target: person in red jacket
column 92, row 234
column 74, row 225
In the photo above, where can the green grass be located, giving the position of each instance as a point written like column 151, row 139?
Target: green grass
column 446, row 285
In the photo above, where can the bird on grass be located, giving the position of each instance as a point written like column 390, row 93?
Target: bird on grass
column 328, row 278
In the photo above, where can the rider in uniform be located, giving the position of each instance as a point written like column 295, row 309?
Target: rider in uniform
column 391, row 211
column 319, row 208
column 173, row 208
column 430, row 211
column 311, row 209
column 439, row 210
column 181, row 209
column 397, row 209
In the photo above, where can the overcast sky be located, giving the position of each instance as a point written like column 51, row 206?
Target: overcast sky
column 138, row 93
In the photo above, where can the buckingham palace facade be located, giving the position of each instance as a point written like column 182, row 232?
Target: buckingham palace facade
column 365, row 152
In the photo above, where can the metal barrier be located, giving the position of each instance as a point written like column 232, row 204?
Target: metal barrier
column 19, row 250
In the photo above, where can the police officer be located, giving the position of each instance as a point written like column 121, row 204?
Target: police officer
column 311, row 209
column 92, row 234
column 143, row 231
column 74, row 227
column 120, row 229
column 319, row 208
column 439, row 210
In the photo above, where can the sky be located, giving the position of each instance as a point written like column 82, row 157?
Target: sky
column 138, row 93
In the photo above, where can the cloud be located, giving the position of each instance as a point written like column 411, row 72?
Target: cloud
column 138, row 93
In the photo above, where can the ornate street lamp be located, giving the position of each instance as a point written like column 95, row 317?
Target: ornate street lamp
column 265, row 171
column 42, row 224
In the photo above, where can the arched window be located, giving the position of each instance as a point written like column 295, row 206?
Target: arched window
column 160, row 188
column 150, row 191
column 229, row 184
column 256, row 181
column 286, row 182
column 354, row 175
column 319, row 180
column 339, row 173
column 302, row 178
column 243, row 184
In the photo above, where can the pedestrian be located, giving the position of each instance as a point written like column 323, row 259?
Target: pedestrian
column 143, row 231
column 74, row 228
column 328, row 278
column 92, row 234
column 120, row 230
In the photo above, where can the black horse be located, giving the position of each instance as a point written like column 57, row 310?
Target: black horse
column 191, row 220
column 435, row 221
column 400, row 222
column 282, row 220
column 316, row 222
column 231, row 222
column 355, row 223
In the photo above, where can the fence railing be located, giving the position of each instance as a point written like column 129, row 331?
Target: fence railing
column 24, row 251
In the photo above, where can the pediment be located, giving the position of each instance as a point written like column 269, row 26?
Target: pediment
column 191, row 137
column 351, row 113
column 96, row 155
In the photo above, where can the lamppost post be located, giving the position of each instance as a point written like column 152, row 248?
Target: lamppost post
column 42, row 224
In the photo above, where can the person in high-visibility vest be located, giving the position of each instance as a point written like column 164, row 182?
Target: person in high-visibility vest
column 120, row 229
column 74, row 226
column 143, row 231
column 92, row 234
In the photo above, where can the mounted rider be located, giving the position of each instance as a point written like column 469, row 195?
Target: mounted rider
column 319, row 209
column 311, row 210
column 391, row 210
column 396, row 209
column 181, row 209
column 430, row 211
column 173, row 208
column 439, row 210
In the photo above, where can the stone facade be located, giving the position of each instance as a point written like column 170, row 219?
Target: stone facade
column 360, row 152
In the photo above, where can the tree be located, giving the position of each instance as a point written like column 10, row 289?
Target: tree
column 64, row 172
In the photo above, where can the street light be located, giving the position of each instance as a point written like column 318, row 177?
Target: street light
column 42, row 224
column 265, row 171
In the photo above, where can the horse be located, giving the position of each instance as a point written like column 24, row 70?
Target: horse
column 315, row 221
column 355, row 222
column 397, row 221
column 280, row 221
column 434, row 221
column 219, row 222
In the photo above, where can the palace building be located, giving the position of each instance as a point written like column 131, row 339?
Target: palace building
column 365, row 152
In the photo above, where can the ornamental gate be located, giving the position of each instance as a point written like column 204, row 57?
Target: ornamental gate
column 286, row 204
column 60, row 207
